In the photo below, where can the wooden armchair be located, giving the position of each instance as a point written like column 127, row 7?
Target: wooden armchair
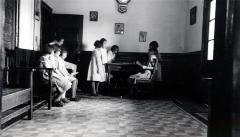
column 16, row 98
column 146, row 82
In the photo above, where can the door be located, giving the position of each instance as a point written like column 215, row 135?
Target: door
column 223, row 108
column 46, row 24
column 70, row 28
column 208, row 43
column 208, row 38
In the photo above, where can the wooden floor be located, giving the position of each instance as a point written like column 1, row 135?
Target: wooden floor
column 110, row 117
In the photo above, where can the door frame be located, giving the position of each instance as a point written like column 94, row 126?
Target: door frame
column 220, row 120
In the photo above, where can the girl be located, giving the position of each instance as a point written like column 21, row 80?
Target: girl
column 71, row 77
column 96, row 71
column 153, row 50
column 111, row 55
column 147, row 70
column 104, row 56
column 63, row 84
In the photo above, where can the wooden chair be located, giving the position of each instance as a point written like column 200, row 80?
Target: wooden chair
column 17, row 95
column 148, row 82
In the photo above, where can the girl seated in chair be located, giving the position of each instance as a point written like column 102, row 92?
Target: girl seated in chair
column 150, row 71
column 147, row 70
column 62, row 83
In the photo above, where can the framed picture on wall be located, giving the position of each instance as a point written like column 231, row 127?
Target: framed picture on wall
column 193, row 15
column 93, row 16
column 142, row 36
column 119, row 28
column 37, row 9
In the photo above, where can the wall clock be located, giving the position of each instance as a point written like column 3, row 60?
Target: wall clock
column 122, row 5
column 123, row 1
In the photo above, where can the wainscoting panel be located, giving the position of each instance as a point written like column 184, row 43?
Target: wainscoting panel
column 181, row 72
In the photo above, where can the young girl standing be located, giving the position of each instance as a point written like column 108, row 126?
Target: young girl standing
column 96, row 71
column 104, row 56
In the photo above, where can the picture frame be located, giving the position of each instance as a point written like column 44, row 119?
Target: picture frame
column 93, row 16
column 119, row 28
column 193, row 15
column 37, row 9
column 142, row 36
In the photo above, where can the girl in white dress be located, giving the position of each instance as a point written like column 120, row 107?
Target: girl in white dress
column 153, row 50
column 111, row 54
column 148, row 69
column 96, row 70
column 104, row 57
column 63, row 84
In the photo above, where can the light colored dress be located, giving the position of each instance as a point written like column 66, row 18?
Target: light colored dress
column 70, row 65
column 104, row 55
column 63, row 84
column 110, row 56
column 96, row 69
column 104, row 61
column 146, row 75
column 158, row 73
column 148, row 71
column 62, row 68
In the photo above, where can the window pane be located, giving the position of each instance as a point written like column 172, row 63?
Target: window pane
column 211, row 30
column 213, row 9
column 210, row 50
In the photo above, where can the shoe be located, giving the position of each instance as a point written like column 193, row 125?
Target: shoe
column 58, row 104
column 75, row 99
column 65, row 100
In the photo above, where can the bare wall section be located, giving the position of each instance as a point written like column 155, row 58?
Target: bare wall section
column 163, row 20
column 194, row 32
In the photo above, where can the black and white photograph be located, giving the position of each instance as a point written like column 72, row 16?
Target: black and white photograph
column 193, row 15
column 93, row 16
column 120, row 68
column 142, row 36
column 119, row 28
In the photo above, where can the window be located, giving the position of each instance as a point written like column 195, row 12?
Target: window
column 211, row 30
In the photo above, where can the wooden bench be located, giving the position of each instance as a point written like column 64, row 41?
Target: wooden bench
column 16, row 100
column 44, row 89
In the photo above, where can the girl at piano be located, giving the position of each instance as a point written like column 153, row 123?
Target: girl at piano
column 111, row 55
column 96, row 70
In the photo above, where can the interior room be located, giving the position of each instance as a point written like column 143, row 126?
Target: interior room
column 119, row 68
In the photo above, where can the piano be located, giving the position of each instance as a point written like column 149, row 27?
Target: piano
column 120, row 72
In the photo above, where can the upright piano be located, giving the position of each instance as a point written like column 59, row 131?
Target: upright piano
column 119, row 72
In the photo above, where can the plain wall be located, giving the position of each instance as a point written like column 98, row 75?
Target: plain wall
column 163, row 20
column 194, row 32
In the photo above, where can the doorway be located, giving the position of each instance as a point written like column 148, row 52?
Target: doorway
column 70, row 28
